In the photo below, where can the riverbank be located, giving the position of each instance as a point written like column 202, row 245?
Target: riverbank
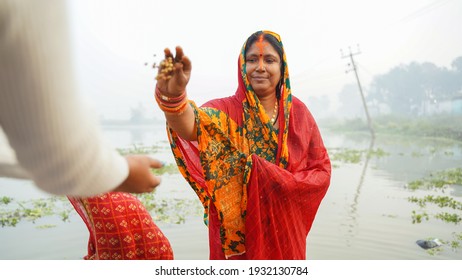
column 448, row 126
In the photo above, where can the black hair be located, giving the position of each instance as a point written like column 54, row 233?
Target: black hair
column 276, row 45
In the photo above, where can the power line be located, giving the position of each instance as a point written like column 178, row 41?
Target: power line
column 354, row 68
column 428, row 8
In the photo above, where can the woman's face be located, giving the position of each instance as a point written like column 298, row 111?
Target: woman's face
column 263, row 67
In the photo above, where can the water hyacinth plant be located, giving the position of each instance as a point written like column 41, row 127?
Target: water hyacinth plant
column 439, row 206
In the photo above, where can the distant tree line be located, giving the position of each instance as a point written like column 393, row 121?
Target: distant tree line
column 407, row 100
column 405, row 88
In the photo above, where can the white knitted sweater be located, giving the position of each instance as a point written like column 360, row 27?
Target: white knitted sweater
column 56, row 139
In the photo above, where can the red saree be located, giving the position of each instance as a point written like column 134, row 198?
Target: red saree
column 121, row 229
column 261, row 187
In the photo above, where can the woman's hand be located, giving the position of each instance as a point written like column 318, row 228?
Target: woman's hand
column 172, row 79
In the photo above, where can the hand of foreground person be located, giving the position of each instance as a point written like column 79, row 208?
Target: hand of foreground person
column 173, row 76
column 140, row 179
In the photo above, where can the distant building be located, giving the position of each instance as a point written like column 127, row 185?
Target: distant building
column 457, row 104
column 451, row 106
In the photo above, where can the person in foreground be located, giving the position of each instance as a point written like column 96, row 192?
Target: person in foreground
column 255, row 159
column 53, row 137
column 57, row 141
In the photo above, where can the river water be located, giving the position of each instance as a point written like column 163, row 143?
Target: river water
column 365, row 214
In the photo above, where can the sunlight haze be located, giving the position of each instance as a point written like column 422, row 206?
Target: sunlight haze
column 114, row 40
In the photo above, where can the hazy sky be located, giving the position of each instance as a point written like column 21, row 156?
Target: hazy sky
column 114, row 40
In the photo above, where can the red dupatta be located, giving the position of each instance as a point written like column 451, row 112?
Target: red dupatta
column 260, row 187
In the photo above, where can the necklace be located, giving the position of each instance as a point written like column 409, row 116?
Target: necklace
column 275, row 113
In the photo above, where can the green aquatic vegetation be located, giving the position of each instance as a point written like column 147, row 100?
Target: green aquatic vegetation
column 392, row 216
column 443, row 202
column 451, row 207
column 347, row 156
column 5, row 200
column 449, row 153
column 449, row 217
column 30, row 210
column 65, row 214
column 171, row 210
column 417, row 154
column 455, row 243
column 45, row 226
column 166, row 169
column 355, row 156
column 440, row 201
column 438, row 180
column 435, row 251
column 418, row 217
column 8, row 220
column 378, row 153
column 141, row 149
column 175, row 211
column 433, row 150
column 416, row 184
column 334, row 165
column 168, row 210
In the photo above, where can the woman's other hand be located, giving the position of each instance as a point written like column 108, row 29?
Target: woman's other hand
column 172, row 79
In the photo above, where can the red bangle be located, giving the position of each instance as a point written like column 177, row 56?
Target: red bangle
column 179, row 107
column 177, row 110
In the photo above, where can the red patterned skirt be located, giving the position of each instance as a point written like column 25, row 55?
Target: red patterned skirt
column 121, row 229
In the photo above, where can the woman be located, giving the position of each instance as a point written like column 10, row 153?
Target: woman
column 121, row 229
column 256, row 159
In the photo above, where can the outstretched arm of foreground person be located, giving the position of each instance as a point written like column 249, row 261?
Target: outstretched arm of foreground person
column 56, row 139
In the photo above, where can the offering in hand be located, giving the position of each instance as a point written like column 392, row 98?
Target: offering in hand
column 165, row 69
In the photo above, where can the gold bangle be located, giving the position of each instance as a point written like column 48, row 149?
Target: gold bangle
column 170, row 99
column 181, row 107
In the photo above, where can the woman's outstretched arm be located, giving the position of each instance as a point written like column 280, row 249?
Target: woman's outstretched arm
column 174, row 74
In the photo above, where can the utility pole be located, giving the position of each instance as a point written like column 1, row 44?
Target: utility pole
column 353, row 65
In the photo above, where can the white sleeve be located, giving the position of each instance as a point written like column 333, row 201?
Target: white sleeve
column 57, row 140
